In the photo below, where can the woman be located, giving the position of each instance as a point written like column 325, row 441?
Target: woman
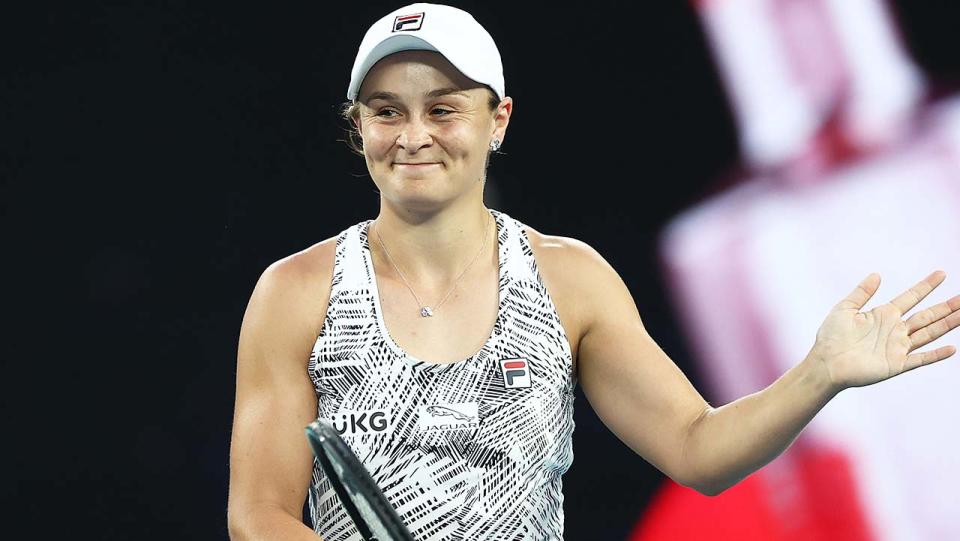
column 451, row 335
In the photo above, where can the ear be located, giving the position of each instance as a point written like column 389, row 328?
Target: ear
column 502, row 118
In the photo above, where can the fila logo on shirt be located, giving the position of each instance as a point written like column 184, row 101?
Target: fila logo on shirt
column 349, row 423
column 408, row 23
column 516, row 373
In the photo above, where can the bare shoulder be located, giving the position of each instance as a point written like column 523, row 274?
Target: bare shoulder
column 295, row 289
column 560, row 250
column 301, row 268
column 570, row 269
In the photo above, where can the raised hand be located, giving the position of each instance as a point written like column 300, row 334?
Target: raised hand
column 861, row 348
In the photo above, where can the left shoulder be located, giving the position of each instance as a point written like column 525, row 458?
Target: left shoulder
column 573, row 273
column 572, row 256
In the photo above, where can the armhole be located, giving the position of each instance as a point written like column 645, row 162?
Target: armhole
column 329, row 280
column 542, row 284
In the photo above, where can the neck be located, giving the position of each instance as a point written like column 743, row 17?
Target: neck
column 432, row 250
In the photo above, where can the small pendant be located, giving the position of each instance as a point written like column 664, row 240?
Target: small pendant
column 426, row 311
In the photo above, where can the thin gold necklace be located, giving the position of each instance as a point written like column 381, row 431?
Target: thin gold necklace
column 426, row 311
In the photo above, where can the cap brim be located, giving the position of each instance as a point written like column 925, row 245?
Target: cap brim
column 393, row 44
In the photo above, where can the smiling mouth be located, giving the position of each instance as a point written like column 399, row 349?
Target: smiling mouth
column 417, row 164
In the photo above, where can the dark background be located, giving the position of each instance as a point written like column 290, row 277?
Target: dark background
column 156, row 157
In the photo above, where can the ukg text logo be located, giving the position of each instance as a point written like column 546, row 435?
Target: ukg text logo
column 361, row 422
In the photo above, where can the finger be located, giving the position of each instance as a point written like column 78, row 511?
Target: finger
column 859, row 296
column 934, row 313
column 933, row 331
column 928, row 357
column 909, row 298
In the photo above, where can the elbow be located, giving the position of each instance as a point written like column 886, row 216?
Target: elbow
column 265, row 521
column 710, row 490
column 240, row 523
column 704, row 482
column 235, row 530
column 234, row 534
column 703, row 488
column 707, row 489
column 712, row 487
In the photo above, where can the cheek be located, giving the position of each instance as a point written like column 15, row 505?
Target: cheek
column 461, row 141
column 378, row 140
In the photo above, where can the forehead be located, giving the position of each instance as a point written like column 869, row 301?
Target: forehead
column 413, row 73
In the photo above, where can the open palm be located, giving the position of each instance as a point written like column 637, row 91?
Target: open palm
column 860, row 348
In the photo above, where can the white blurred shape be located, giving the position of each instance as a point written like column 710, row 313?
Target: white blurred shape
column 775, row 118
column 791, row 66
column 755, row 271
column 884, row 85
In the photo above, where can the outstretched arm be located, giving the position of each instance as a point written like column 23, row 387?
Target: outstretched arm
column 647, row 402
column 852, row 349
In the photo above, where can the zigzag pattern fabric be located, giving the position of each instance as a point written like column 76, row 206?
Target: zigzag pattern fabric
column 472, row 450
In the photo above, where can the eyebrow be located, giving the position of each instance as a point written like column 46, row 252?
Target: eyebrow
column 447, row 91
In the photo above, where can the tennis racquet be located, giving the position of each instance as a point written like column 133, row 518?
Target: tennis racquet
column 375, row 519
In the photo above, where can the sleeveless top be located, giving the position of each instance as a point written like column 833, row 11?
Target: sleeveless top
column 472, row 450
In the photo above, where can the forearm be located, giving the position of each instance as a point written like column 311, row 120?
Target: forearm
column 731, row 442
column 267, row 524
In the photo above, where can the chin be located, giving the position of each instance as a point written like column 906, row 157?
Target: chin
column 419, row 205
column 418, row 194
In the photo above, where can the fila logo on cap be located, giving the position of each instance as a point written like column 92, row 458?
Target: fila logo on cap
column 516, row 373
column 408, row 23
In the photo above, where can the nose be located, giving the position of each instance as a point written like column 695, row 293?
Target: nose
column 414, row 135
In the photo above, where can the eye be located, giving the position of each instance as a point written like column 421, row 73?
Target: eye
column 445, row 111
column 382, row 111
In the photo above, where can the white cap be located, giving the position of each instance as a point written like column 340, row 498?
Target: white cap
column 452, row 32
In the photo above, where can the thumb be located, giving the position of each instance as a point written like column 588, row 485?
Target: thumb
column 861, row 294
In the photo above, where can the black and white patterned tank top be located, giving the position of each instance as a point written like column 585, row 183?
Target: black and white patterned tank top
column 472, row 450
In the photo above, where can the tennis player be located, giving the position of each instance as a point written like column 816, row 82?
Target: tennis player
column 443, row 339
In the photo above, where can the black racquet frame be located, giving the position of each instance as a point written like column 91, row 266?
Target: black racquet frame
column 375, row 518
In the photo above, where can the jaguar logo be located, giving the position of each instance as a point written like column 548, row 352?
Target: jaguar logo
column 440, row 411
column 458, row 416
